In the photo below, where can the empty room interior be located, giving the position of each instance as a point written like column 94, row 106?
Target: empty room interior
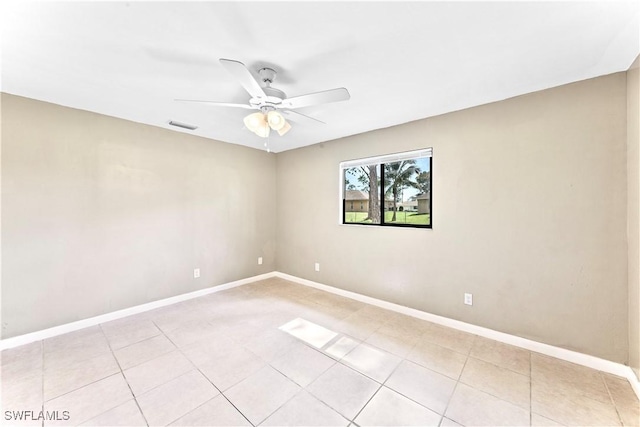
column 320, row 213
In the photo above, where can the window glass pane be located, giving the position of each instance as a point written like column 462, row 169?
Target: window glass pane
column 361, row 191
column 407, row 188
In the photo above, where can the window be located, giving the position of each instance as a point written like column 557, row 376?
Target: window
column 393, row 190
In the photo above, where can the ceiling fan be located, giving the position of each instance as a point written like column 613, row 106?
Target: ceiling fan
column 272, row 103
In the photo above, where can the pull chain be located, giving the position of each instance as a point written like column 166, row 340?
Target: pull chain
column 266, row 144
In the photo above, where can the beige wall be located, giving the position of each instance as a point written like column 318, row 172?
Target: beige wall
column 633, row 191
column 529, row 214
column 100, row 214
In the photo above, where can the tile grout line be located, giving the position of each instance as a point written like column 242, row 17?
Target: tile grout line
column 530, row 392
column 81, row 387
column 458, row 381
column 560, row 353
column 134, row 343
column 287, row 401
column 500, row 367
column 316, row 350
column 455, row 387
column 42, row 400
column 339, row 335
column 124, row 377
column 510, row 371
column 304, row 388
column 140, row 342
column 203, row 374
column 365, row 405
column 322, row 401
column 414, row 345
column 613, row 402
column 238, row 409
column 300, row 385
column 320, row 351
column 355, row 371
column 478, row 357
column 469, row 356
column 352, row 420
column 407, row 397
column 412, row 399
column 194, row 409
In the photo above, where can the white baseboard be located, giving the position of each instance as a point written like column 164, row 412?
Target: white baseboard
column 546, row 349
column 92, row 321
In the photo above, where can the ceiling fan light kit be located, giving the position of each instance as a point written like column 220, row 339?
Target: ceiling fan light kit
column 261, row 123
column 284, row 129
column 275, row 119
column 263, row 131
column 253, row 120
column 257, row 124
column 269, row 100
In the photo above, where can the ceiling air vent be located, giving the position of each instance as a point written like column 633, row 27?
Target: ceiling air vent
column 183, row 125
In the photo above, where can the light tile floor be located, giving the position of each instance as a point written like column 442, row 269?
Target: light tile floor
column 275, row 353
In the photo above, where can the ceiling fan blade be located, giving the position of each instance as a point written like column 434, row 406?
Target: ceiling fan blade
column 294, row 116
column 243, row 75
column 218, row 104
column 325, row 97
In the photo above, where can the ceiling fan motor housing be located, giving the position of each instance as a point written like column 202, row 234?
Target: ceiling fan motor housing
column 274, row 96
column 268, row 75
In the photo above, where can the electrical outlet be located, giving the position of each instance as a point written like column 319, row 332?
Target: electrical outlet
column 196, row 273
column 259, row 260
column 468, row 299
column 317, row 266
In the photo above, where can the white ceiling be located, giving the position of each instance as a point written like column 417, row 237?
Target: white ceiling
column 400, row 61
